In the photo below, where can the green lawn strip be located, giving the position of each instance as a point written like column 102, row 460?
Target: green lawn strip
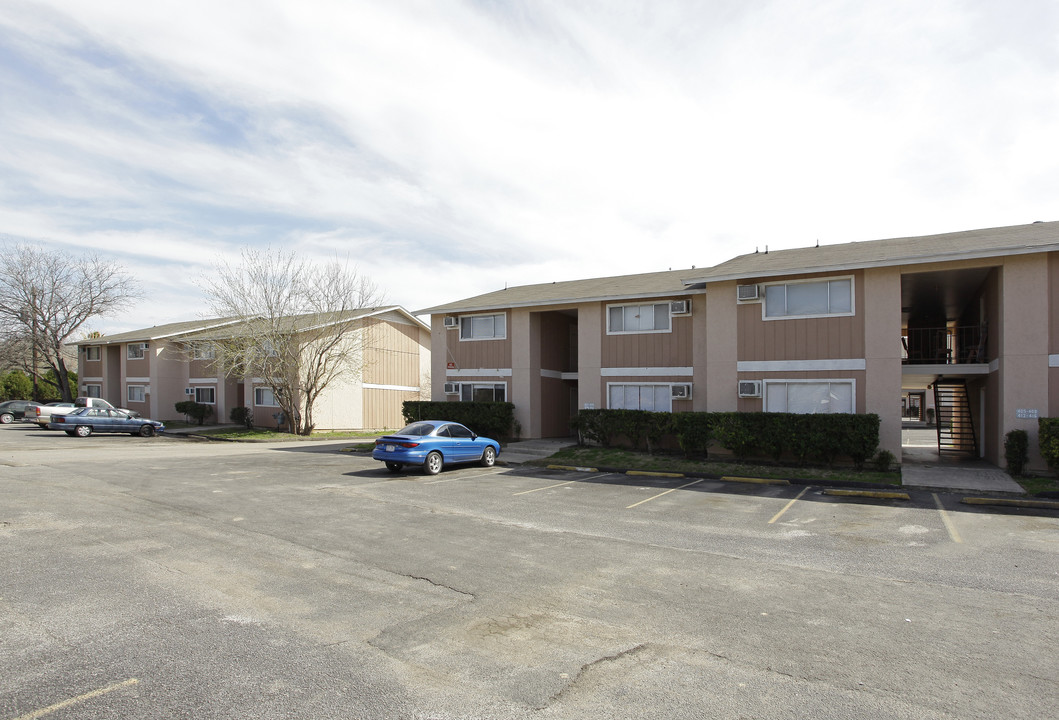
column 1035, row 485
column 259, row 434
column 674, row 463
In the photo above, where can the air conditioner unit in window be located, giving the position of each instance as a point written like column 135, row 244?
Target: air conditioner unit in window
column 680, row 307
column 451, row 321
column 680, row 392
column 747, row 292
column 749, row 388
column 452, row 388
column 189, row 391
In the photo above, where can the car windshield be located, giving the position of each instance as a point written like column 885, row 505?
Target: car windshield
column 420, row 428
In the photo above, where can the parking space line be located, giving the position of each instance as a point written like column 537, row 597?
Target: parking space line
column 73, row 701
column 949, row 525
column 787, row 507
column 655, row 497
column 568, row 482
column 450, row 479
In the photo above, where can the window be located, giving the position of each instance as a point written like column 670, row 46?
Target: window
column 483, row 392
column 656, row 397
column 136, row 351
column 809, row 299
column 136, row 393
column 93, row 352
column 483, row 327
column 204, row 352
column 95, row 391
column 809, row 396
column 205, row 395
column 638, row 318
column 264, row 397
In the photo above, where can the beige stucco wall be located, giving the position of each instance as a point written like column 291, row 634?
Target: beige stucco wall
column 881, row 323
column 721, row 372
column 589, row 355
column 523, row 340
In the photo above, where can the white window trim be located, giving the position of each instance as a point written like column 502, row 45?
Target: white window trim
column 852, row 297
column 97, row 386
column 140, row 347
column 485, row 384
column 606, row 318
column 198, row 353
column 473, row 339
column 257, row 404
column 765, row 383
column 642, row 384
column 205, row 402
column 88, row 353
column 128, row 393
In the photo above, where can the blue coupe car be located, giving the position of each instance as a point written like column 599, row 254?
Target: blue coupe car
column 84, row 421
column 432, row 444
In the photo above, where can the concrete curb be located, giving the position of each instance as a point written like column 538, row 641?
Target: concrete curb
column 877, row 494
column 1013, row 502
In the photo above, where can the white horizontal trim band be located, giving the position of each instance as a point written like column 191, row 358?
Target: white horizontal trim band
column 203, row 380
column 647, row 372
column 1053, row 361
column 137, row 380
column 557, row 375
column 401, row 388
column 479, row 372
column 91, row 379
column 799, row 365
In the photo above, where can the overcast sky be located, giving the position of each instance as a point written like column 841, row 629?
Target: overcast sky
column 451, row 148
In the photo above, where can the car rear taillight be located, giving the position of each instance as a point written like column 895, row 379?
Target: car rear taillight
column 409, row 445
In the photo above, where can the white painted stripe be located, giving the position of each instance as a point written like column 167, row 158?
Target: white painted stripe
column 402, row 388
column 479, row 372
column 1053, row 361
column 800, row 365
column 137, row 379
column 648, row 372
column 212, row 381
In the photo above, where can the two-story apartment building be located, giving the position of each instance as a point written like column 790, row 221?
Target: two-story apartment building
column 972, row 318
column 152, row 369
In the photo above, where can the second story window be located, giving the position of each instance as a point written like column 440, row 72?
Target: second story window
column 203, row 352
column 137, row 351
column 483, row 327
column 638, row 318
column 93, row 352
column 813, row 298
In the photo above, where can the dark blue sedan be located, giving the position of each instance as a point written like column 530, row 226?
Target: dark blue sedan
column 432, row 444
column 84, row 421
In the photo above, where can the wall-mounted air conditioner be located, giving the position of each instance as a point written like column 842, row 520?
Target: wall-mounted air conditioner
column 680, row 392
column 680, row 307
column 749, row 388
column 452, row 388
column 189, row 391
column 747, row 292
column 451, row 321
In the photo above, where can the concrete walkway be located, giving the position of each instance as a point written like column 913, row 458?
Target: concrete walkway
column 923, row 466
column 526, row 450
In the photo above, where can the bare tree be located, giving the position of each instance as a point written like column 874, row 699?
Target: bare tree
column 299, row 326
column 46, row 297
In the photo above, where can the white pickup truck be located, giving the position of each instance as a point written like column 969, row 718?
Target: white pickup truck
column 44, row 412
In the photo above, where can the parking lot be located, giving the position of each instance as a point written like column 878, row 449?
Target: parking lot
column 162, row 578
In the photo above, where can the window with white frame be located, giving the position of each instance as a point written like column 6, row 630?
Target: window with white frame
column 205, row 395
column 809, row 298
column 93, row 391
column 483, row 327
column 202, row 352
column 136, row 393
column 656, row 397
column 809, row 396
column 264, row 397
column 93, row 352
column 136, row 351
column 653, row 317
column 483, row 392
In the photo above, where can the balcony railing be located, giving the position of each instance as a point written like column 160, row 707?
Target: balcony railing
column 944, row 346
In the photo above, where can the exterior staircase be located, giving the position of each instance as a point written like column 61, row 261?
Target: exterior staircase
column 956, row 435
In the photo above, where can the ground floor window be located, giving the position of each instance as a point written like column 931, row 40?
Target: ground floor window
column 264, row 397
column 656, row 397
column 809, row 396
column 483, row 392
column 136, row 393
column 95, row 391
column 205, row 395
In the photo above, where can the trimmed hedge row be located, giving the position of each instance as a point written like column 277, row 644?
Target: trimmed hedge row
column 806, row 437
column 492, row 419
column 1048, row 441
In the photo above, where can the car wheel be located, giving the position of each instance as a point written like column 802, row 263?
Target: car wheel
column 433, row 463
column 393, row 467
column 488, row 456
column 7, row 418
column 146, row 431
column 83, row 430
column 71, row 433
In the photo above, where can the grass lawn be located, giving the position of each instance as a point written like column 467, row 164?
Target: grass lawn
column 677, row 463
column 1034, row 485
column 268, row 435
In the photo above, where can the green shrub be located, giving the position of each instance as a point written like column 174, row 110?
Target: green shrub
column 1048, row 441
column 242, row 416
column 883, row 461
column 1016, row 451
column 491, row 419
column 16, row 385
column 692, row 430
column 195, row 411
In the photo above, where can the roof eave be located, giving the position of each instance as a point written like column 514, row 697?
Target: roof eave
column 439, row 309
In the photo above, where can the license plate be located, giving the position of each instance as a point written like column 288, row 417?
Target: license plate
column 391, row 448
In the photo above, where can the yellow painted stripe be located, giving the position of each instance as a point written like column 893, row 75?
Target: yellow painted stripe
column 73, row 701
column 787, row 507
column 949, row 525
column 759, row 481
column 527, row 492
column 647, row 473
column 869, row 494
column 655, row 497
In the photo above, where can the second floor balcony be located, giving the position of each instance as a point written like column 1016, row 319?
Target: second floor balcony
column 944, row 346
